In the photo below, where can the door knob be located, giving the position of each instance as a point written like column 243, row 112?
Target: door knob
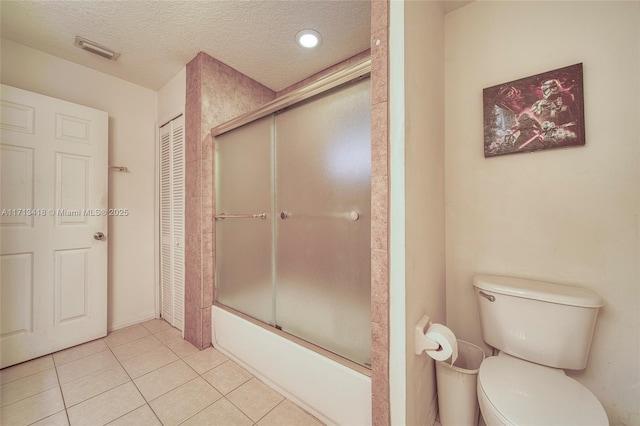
column 99, row 236
column 284, row 215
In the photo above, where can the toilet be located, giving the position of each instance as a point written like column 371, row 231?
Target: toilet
column 540, row 329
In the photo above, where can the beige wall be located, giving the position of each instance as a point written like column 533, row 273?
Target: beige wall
column 568, row 215
column 424, row 191
column 172, row 97
column 132, row 120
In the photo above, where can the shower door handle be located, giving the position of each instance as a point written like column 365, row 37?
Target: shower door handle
column 262, row 216
column 353, row 215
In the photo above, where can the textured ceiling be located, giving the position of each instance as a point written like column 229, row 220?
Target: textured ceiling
column 157, row 38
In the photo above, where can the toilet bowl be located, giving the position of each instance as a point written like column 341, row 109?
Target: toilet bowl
column 512, row 391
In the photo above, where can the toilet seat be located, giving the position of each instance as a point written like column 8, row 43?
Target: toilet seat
column 523, row 393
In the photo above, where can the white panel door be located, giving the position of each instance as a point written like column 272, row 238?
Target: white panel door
column 172, row 196
column 53, row 200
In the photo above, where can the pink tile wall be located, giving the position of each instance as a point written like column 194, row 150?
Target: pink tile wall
column 193, row 114
column 215, row 93
column 380, row 212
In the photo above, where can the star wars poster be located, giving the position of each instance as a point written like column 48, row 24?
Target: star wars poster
column 543, row 111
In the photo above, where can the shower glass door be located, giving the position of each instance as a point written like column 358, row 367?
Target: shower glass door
column 244, row 255
column 323, row 197
column 306, row 267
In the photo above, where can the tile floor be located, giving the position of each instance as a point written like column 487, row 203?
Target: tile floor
column 141, row 375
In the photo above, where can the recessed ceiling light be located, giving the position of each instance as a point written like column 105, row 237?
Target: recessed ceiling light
column 308, row 38
column 95, row 48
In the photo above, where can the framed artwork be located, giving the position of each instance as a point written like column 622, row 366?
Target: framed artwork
column 543, row 111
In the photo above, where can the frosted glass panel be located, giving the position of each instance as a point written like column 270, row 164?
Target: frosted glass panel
column 323, row 178
column 243, row 176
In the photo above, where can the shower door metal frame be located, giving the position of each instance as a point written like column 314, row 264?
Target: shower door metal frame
column 355, row 72
column 358, row 70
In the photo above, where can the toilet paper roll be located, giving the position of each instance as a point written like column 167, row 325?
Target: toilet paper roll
column 447, row 341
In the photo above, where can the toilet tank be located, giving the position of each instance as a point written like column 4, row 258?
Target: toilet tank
column 545, row 323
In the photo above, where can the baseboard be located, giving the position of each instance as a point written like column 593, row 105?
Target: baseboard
column 132, row 321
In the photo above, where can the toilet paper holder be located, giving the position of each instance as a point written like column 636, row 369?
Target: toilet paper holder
column 421, row 342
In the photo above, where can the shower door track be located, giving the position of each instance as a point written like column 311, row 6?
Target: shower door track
column 315, row 348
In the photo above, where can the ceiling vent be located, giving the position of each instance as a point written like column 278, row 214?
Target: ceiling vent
column 95, row 48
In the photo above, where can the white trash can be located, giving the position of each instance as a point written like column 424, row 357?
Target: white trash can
column 457, row 394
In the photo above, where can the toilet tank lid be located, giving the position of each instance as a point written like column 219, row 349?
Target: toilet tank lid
column 538, row 290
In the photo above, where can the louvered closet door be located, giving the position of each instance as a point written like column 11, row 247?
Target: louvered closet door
column 172, row 221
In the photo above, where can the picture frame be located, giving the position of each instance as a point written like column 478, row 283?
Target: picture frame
column 543, row 111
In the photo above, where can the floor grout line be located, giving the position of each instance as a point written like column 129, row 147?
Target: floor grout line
column 134, row 384
column 147, row 402
column 64, row 404
column 132, row 380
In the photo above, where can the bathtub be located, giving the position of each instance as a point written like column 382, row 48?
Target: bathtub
column 331, row 391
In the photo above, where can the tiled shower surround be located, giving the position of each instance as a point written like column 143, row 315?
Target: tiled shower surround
column 217, row 93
